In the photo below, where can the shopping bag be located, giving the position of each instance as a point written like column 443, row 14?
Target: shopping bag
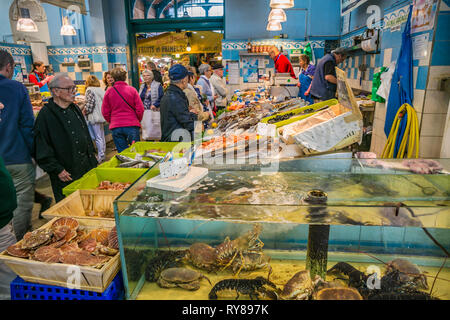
column 151, row 125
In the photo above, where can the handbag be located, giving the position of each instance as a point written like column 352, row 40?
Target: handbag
column 126, row 102
column 151, row 125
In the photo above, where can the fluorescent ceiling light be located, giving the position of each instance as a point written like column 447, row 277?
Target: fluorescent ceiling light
column 273, row 26
column 281, row 4
column 278, row 15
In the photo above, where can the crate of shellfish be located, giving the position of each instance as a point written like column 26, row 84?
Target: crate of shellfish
column 74, row 253
column 89, row 204
column 117, row 179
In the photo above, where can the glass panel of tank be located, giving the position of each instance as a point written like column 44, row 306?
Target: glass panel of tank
column 245, row 233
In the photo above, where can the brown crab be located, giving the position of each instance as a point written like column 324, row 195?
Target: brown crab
column 32, row 240
column 182, row 278
column 408, row 272
column 300, row 286
column 202, row 256
column 339, row 293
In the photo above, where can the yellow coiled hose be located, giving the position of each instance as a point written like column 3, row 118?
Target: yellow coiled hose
column 410, row 137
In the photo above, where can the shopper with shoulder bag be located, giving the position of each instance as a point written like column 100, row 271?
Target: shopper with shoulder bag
column 151, row 93
column 93, row 113
column 123, row 109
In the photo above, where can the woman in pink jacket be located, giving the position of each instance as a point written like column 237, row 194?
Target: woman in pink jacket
column 123, row 109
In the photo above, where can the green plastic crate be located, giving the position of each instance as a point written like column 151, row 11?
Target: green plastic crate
column 92, row 179
column 315, row 106
column 114, row 162
column 142, row 146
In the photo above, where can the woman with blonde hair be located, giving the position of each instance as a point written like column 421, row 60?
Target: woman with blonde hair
column 108, row 80
column 93, row 113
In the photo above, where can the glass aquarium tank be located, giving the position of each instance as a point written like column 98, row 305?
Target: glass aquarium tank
column 313, row 228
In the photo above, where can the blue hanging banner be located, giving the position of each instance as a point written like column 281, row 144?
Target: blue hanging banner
column 402, row 83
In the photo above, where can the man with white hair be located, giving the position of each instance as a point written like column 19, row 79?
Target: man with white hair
column 62, row 145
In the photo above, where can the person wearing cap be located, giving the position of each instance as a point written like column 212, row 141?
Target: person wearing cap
column 324, row 84
column 174, row 108
column 282, row 63
column 219, row 85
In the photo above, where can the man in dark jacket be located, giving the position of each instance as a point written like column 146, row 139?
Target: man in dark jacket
column 324, row 84
column 16, row 140
column 8, row 202
column 175, row 108
column 62, row 144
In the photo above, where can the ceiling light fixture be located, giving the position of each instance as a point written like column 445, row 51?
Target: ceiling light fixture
column 274, row 25
column 281, row 4
column 25, row 23
column 67, row 29
column 278, row 15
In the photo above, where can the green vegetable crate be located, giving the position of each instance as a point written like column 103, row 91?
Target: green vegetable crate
column 315, row 107
column 92, row 179
column 114, row 162
column 164, row 147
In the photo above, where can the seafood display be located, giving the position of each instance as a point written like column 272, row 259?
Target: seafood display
column 108, row 185
column 401, row 278
column 283, row 195
column 65, row 242
column 231, row 143
column 127, row 162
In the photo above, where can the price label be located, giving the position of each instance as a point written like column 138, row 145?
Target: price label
column 265, row 129
column 173, row 168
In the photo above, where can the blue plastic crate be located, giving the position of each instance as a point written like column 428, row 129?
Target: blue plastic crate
column 23, row 290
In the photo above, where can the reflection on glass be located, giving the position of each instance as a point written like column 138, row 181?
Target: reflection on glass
column 165, row 9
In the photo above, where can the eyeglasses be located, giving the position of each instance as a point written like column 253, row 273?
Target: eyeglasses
column 73, row 88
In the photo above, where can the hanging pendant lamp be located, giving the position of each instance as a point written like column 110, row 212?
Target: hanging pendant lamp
column 67, row 29
column 281, row 4
column 277, row 15
column 273, row 25
column 25, row 23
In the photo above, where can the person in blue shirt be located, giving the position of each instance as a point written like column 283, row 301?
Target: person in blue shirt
column 305, row 78
column 16, row 134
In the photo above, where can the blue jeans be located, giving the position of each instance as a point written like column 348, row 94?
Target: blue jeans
column 98, row 135
column 23, row 176
column 125, row 136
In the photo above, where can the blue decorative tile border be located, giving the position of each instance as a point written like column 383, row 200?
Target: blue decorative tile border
column 99, row 49
column 287, row 44
column 16, row 49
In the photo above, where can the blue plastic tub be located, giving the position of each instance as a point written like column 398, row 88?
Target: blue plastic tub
column 23, row 290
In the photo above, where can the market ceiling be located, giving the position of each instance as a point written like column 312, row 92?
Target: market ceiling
column 171, row 43
column 67, row 3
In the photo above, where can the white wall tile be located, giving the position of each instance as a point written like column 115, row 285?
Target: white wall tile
column 418, row 102
column 415, row 72
column 436, row 73
column 436, row 101
column 430, row 147
column 433, row 125
column 387, row 57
